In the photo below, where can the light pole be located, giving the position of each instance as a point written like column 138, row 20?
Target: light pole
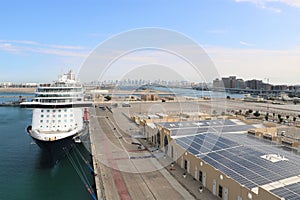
column 267, row 93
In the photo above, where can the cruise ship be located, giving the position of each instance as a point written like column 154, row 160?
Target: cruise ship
column 60, row 116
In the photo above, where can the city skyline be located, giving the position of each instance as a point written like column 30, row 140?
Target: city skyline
column 231, row 81
column 248, row 38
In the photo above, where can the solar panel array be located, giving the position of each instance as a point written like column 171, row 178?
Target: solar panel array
column 196, row 124
column 239, row 157
column 186, row 128
column 290, row 192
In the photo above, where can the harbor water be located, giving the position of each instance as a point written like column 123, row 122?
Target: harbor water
column 186, row 92
column 25, row 172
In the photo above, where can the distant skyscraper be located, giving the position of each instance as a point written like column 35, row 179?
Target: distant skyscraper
column 226, row 82
column 229, row 82
column 240, row 84
column 217, row 83
column 232, row 81
column 254, row 84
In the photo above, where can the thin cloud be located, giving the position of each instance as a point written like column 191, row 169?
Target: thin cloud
column 34, row 43
column 27, row 46
column 8, row 47
column 64, row 46
column 292, row 3
column 265, row 4
column 255, row 62
column 246, row 44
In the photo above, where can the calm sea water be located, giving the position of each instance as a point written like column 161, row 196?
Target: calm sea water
column 24, row 171
column 187, row 92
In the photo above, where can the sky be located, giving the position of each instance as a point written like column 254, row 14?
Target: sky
column 247, row 38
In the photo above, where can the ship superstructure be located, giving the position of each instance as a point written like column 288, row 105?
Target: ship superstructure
column 58, row 115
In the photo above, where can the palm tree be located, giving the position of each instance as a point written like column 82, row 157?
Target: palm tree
column 267, row 116
column 214, row 112
column 287, row 118
column 256, row 114
column 279, row 118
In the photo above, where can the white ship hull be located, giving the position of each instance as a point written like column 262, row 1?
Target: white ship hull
column 59, row 116
column 55, row 144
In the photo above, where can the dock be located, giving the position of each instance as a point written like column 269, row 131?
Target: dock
column 129, row 167
column 10, row 104
column 126, row 168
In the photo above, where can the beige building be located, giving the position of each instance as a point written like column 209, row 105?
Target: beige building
column 149, row 97
column 226, row 160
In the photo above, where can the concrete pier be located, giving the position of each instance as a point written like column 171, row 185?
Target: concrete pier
column 126, row 171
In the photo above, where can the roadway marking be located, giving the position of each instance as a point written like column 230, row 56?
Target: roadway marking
column 117, row 176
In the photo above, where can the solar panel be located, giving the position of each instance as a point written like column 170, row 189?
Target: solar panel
column 196, row 124
column 289, row 192
column 239, row 157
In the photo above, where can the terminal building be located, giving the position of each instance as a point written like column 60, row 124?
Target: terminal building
column 224, row 159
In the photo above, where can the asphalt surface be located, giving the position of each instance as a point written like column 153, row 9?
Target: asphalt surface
column 125, row 171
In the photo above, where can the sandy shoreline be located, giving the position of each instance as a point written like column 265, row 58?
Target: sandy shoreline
column 18, row 90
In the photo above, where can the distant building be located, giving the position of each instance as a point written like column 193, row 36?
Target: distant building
column 280, row 87
column 240, row 84
column 232, row 81
column 254, row 84
column 229, row 82
column 149, row 97
column 29, row 85
column 226, row 82
column 266, row 86
column 217, row 83
column 6, row 84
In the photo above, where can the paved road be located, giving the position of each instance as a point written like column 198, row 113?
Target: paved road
column 126, row 172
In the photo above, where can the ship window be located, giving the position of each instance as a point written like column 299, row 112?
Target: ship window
column 47, row 121
column 71, row 115
column 42, row 115
column 41, row 126
column 65, row 120
column 65, row 110
column 47, row 115
column 48, row 110
column 59, row 110
column 41, row 121
column 59, row 121
column 58, row 115
column 65, row 125
column 54, row 110
column 53, row 121
column 53, row 115
column 71, row 120
column 42, row 110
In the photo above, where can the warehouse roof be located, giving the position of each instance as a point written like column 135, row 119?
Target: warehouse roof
column 251, row 161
